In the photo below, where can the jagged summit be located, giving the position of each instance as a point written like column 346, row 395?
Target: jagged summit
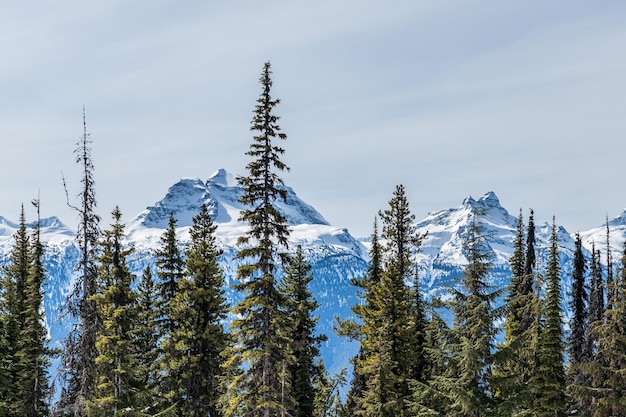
column 221, row 194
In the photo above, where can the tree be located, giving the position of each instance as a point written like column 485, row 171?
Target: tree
column 116, row 363
column 78, row 362
column 304, row 342
column 199, row 309
column 473, row 332
column 513, row 360
column 577, row 339
column 146, row 340
column 170, row 271
column 549, row 379
column 596, row 302
column 15, row 286
column 35, row 355
column 261, row 350
column 609, row 365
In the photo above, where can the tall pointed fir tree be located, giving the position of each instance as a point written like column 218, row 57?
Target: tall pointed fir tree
column 146, row 335
column 576, row 341
column 34, row 384
column 596, row 302
column 116, row 364
column 16, row 276
column 199, row 309
column 393, row 340
column 261, row 350
column 609, row 267
column 514, row 358
column 170, row 271
column 305, row 343
column 473, row 334
column 549, row 379
column 79, row 356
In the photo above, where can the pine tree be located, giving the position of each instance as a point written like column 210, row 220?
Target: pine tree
column 474, row 331
column 304, row 342
column 117, row 380
column 261, row 350
column 35, row 355
column 549, row 380
column 79, row 370
column 199, row 309
column 576, row 346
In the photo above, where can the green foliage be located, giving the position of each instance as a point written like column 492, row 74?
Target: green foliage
column 305, row 343
column 548, row 382
column 117, row 377
column 259, row 360
column 467, row 380
column 198, row 308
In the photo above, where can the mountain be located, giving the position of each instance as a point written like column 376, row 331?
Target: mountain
column 334, row 254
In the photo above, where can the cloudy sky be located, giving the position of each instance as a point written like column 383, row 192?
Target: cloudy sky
column 450, row 98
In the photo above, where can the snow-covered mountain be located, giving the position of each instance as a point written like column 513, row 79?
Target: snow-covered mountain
column 335, row 255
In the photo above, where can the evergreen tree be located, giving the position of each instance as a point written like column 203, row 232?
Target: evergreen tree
column 116, row 363
column 199, row 309
column 610, row 363
column 78, row 362
column 513, row 359
column 15, row 286
column 473, row 333
column 146, row 340
column 261, row 350
column 549, row 380
column 304, row 342
column 596, row 302
column 33, row 383
column 609, row 268
column 576, row 346
column 170, row 271
column 365, row 311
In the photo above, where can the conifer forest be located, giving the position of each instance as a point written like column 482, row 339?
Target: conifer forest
column 168, row 342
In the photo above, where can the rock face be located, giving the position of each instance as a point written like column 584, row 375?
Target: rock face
column 334, row 255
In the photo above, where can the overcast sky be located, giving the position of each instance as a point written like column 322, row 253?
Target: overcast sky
column 450, row 98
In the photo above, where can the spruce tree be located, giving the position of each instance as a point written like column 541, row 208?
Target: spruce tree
column 170, row 271
column 513, row 359
column 146, row 340
column 304, row 342
column 549, row 381
column 15, row 286
column 116, row 364
column 473, row 333
column 79, row 355
column 199, row 309
column 577, row 339
column 261, row 350
column 596, row 302
column 34, row 385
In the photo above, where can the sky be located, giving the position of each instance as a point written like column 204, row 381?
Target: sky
column 449, row 98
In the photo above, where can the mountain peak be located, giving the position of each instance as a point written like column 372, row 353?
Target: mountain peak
column 223, row 178
column 487, row 201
